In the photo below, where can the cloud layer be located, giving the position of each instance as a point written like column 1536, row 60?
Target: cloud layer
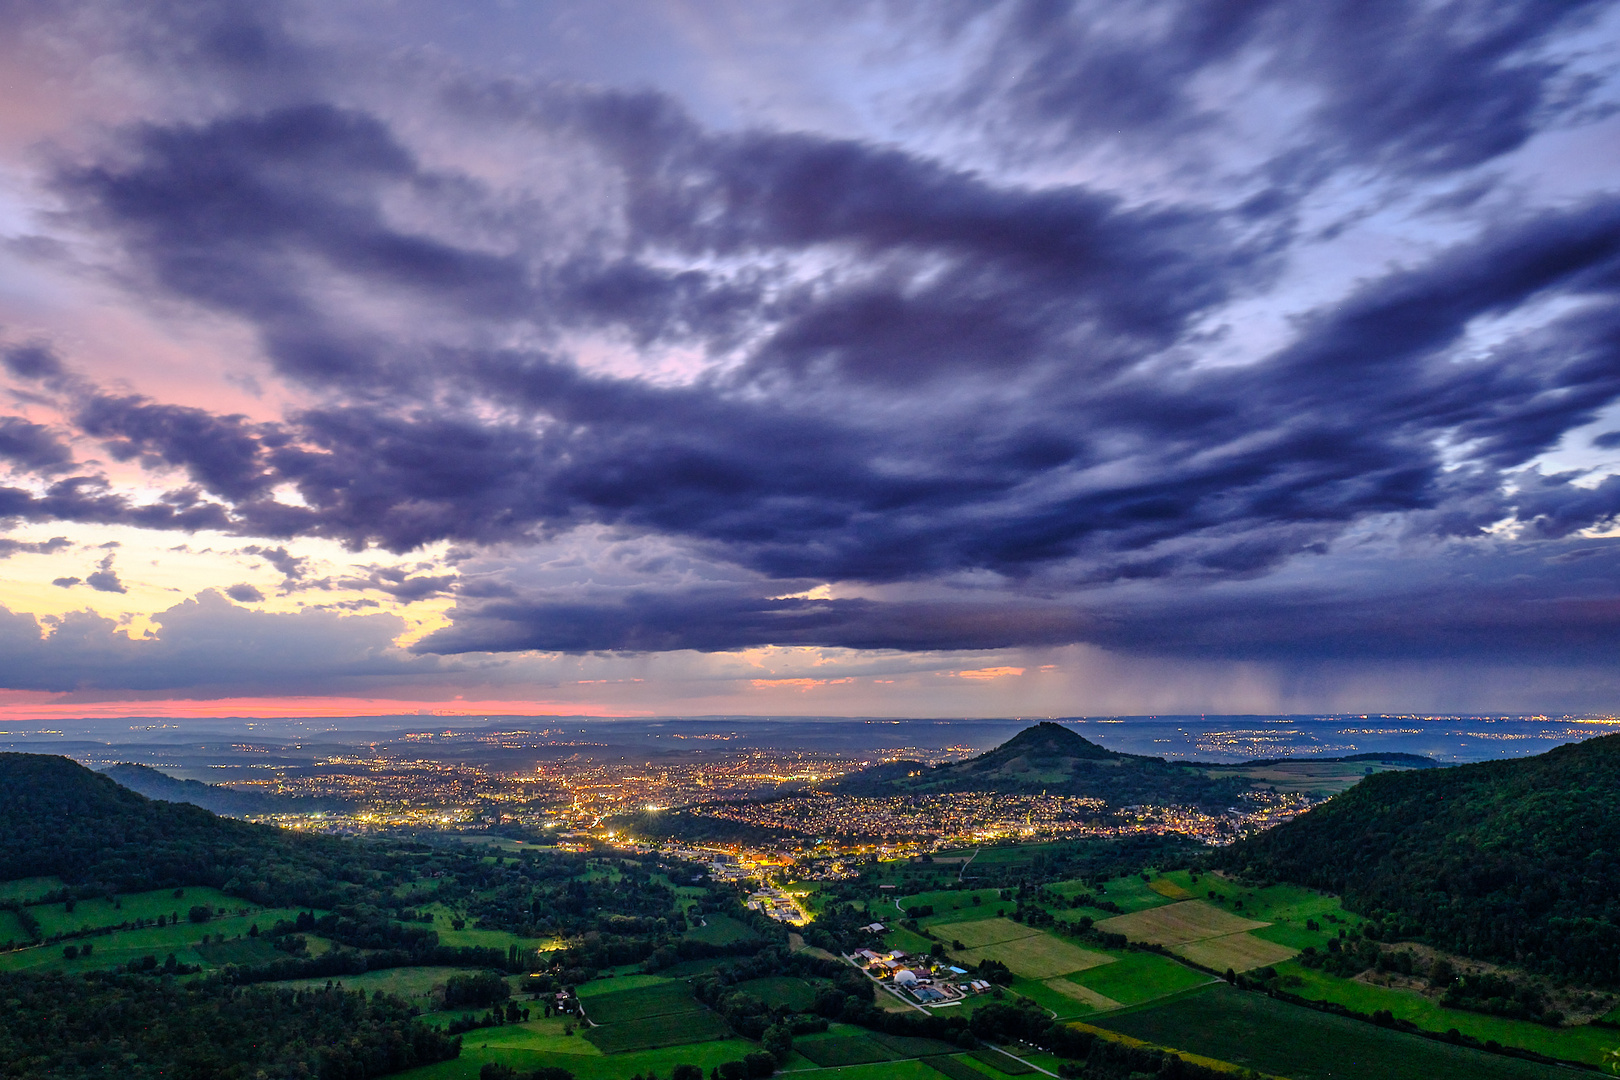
column 1254, row 332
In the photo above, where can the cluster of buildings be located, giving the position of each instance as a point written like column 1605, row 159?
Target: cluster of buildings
column 919, row 980
column 778, row 905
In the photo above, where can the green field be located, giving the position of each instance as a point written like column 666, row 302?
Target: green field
column 414, row 984
column 1002, row 1062
column 954, row 1067
column 796, row 994
column 10, row 928
column 30, row 888
column 842, row 1050
column 1258, row 1032
column 1136, row 977
column 599, row 987
column 90, row 914
column 721, row 930
column 654, row 1032
column 955, row 905
column 527, row 1047
column 1572, row 1043
column 658, row 999
column 122, row 946
column 1130, row 893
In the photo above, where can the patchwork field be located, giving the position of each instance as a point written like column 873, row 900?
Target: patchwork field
column 982, row 932
column 1175, row 924
column 1240, row 952
column 796, row 994
column 1136, row 977
column 1084, row 995
column 1037, row 956
column 1258, row 1032
column 955, row 1068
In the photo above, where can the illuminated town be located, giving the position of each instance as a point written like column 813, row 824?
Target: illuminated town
column 776, row 799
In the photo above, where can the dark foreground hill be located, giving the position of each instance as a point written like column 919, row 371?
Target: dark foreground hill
column 58, row 818
column 1052, row 758
column 1504, row 860
column 220, row 800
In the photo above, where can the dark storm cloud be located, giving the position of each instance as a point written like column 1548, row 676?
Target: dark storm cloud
column 936, row 373
column 1399, row 84
column 244, row 594
column 719, row 618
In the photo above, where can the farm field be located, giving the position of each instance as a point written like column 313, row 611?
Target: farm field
column 654, row 1032
column 1137, row 977
column 1238, row 952
column 11, row 929
column 955, row 1068
column 797, row 994
column 1036, row 956
column 1176, row 924
column 659, row 999
column 721, row 930
column 599, row 987
column 956, row 904
column 1258, row 1032
column 974, row 935
column 1586, row 1044
column 587, row 1064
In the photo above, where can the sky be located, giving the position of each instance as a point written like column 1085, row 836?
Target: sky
column 824, row 358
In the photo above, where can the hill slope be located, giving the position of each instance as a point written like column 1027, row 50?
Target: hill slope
column 1504, row 860
column 59, row 818
column 220, row 800
column 1052, row 758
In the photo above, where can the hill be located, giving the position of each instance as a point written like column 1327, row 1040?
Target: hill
column 220, row 800
column 58, row 818
column 1513, row 861
column 1052, row 758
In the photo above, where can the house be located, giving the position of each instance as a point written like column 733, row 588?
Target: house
column 874, row 928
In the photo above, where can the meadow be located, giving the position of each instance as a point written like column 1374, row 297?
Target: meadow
column 1261, row 1033
column 1584, row 1043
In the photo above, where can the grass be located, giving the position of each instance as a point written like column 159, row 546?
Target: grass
column 1176, row 924
column 122, row 946
column 904, row 940
column 91, row 914
column 28, row 888
column 618, row 984
column 10, row 928
column 1136, row 977
column 248, row 950
column 1037, row 956
column 627, row 1006
column 974, row 935
column 955, row 1068
column 653, row 1032
column 414, row 984
column 843, row 1050
column 1237, row 952
column 721, row 930
column 528, row 1053
column 954, row 902
column 1573, row 1044
column 1261, row 1033
column 1130, row 893
column 1003, row 1062
column 797, row 994
column 1091, row 999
